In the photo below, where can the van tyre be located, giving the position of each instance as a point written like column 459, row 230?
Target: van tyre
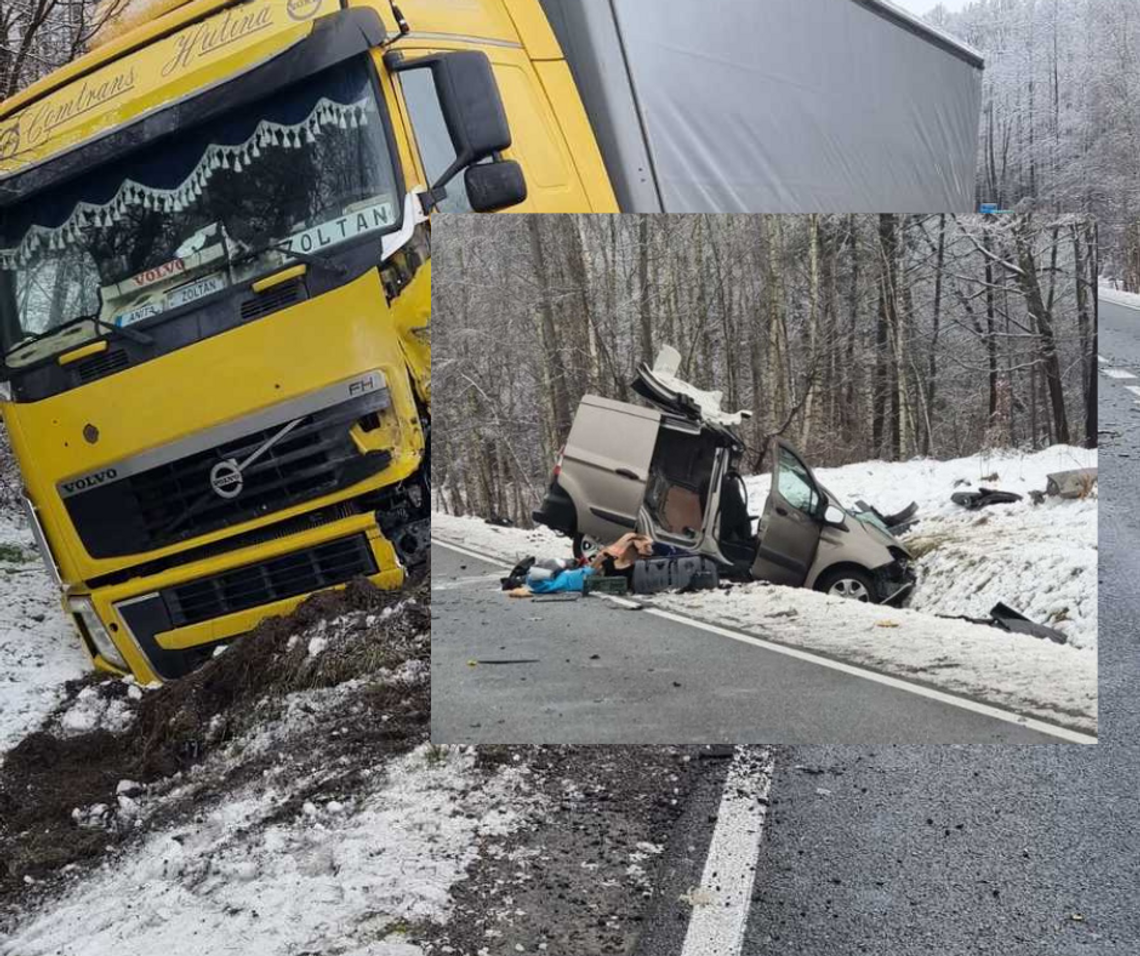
column 850, row 583
column 586, row 547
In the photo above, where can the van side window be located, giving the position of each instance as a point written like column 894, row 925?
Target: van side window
column 436, row 151
column 795, row 486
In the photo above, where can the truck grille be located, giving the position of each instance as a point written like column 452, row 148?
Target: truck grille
column 177, row 501
column 324, row 566
column 103, row 365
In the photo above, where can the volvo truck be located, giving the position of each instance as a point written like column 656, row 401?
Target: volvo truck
column 215, row 310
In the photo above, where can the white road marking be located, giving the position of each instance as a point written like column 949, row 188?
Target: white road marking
column 480, row 581
column 921, row 690
column 492, row 559
column 1134, row 389
column 1117, row 373
column 720, row 909
column 1102, row 359
column 965, row 703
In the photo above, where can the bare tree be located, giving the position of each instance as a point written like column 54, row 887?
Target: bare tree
column 860, row 336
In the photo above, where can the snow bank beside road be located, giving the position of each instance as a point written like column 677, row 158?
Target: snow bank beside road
column 39, row 648
column 1039, row 559
column 499, row 544
column 1129, row 299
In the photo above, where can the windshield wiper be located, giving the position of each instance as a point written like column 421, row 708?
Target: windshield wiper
column 110, row 330
column 282, row 245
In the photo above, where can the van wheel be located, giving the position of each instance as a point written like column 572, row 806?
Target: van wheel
column 586, row 547
column 850, row 583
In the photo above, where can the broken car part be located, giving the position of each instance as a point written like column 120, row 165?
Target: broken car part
column 983, row 498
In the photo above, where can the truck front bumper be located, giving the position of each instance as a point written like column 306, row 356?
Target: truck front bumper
column 165, row 625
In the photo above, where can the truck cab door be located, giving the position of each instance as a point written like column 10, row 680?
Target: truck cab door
column 553, row 179
column 605, row 465
column 789, row 527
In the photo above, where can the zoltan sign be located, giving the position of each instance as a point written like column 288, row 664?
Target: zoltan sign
column 239, row 38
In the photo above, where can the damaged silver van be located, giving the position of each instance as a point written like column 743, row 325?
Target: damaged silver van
column 671, row 471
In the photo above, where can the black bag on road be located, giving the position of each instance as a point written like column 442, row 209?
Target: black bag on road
column 689, row 572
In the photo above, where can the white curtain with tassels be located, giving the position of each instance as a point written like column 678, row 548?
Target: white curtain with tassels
column 325, row 114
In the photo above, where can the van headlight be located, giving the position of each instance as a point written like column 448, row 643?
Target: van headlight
column 92, row 628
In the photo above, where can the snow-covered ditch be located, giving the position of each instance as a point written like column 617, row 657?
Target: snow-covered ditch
column 1039, row 559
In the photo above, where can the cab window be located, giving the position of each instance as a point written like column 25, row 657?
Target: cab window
column 436, row 151
column 795, row 485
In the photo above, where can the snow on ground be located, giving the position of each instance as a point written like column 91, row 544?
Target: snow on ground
column 253, row 877
column 499, row 543
column 39, row 648
column 91, row 710
column 1041, row 560
column 279, row 845
column 1130, row 299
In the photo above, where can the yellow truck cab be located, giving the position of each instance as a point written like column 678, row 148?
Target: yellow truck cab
column 215, row 296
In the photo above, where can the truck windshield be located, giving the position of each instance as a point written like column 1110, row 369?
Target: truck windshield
column 177, row 221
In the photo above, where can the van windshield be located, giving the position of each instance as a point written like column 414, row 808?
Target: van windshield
column 191, row 215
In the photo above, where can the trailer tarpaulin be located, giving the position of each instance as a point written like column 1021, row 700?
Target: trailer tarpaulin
column 775, row 105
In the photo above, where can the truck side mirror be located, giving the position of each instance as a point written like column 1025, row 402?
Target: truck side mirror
column 475, row 118
column 495, row 186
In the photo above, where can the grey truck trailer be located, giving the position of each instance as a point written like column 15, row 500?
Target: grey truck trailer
column 775, row 105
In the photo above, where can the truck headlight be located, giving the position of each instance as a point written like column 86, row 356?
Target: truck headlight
column 92, row 627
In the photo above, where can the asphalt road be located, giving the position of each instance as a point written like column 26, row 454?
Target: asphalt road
column 591, row 672
column 979, row 850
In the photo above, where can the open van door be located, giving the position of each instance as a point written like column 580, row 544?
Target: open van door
column 789, row 527
column 605, row 465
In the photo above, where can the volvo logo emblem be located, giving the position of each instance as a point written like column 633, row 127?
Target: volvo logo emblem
column 226, row 479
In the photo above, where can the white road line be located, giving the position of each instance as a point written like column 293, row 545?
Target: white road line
column 720, row 907
column 921, row 690
column 965, row 703
column 492, row 559
column 481, row 581
column 1117, row 373
column 1134, row 389
column 1102, row 359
